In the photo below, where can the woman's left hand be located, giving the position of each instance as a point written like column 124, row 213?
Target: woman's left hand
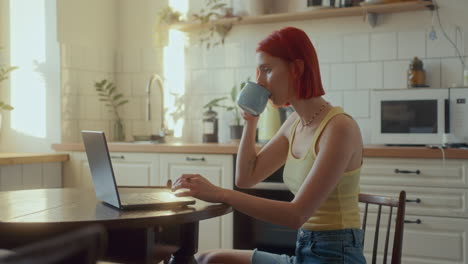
column 198, row 187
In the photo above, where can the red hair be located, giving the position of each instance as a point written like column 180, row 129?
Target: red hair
column 293, row 44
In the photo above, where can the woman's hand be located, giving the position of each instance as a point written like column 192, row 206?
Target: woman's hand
column 198, row 187
column 247, row 116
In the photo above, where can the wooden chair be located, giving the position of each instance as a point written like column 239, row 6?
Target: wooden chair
column 382, row 201
column 82, row 246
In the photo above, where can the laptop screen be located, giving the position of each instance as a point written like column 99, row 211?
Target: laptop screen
column 101, row 167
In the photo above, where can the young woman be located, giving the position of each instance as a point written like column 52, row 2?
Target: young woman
column 321, row 148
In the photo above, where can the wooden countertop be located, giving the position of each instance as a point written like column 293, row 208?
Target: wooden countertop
column 9, row 158
column 215, row 148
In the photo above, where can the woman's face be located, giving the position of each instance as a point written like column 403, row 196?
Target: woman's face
column 273, row 74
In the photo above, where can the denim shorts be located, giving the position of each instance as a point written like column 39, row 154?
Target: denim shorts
column 337, row 246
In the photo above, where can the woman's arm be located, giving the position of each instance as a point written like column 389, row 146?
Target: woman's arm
column 253, row 167
column 337, row 147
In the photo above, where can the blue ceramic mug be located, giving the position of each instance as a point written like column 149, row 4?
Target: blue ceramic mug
column 253, row 98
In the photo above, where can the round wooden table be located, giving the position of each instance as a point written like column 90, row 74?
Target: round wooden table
column 31, row 215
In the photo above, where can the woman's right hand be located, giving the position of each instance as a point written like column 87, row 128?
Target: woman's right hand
column 248, row 116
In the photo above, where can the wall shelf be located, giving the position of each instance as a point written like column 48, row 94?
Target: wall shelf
column 371, row 11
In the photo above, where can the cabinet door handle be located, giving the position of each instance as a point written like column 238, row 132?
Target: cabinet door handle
column 195, row 159
column 117, row 157
column 417, row 221
column 407, row 171
column 417, row 200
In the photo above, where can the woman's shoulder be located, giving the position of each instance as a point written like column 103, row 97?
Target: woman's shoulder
column 344, row 125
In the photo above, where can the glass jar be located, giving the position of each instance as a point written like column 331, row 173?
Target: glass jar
column 210, row 126
column 416, row 74
column 119, row 132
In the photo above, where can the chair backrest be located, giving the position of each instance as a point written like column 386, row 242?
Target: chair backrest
column 391, row 203
column 85, row 245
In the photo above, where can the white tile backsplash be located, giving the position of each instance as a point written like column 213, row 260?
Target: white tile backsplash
column 330, row 49
column 441, row 47
column 222, row 81
column 356, row 103
column 65, row 56
column 433, row 72
column 89, row 107
column 343, row 76
column 234, row 55
column 369, row 75
column 452, row 72
column 87, row 81
column 335, row 98
column 134, row 109
column 108, row 60
column 383, row 46
column 151, row 61
column 241, row 75
column 77, row 56
column 395, row 74
column 365, row 126
column 325, row 76
column 132, row 60
column 201, row 81
column 215, row 57
column 92, row 58
column 195, row 57
column 356, row 48
column 411, row 44
column 70, row 107
column 70, row 131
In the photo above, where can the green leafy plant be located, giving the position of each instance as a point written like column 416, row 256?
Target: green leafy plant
column 232, row 107
column 108, row 94
column 4, row 72
column 214, row 9
column 168, row 16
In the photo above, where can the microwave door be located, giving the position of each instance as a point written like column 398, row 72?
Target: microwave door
column 408, row 117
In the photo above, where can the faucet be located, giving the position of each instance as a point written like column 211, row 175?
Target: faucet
column 162, row 129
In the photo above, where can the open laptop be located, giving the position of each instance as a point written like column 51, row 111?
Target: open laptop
column 105, row 185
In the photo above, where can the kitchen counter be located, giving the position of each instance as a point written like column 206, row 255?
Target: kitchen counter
column 215, row 148
column 10, row 158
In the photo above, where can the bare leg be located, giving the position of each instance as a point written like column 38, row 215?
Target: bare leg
column 225, row 256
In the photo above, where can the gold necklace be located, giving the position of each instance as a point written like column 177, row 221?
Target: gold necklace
column 308, row 122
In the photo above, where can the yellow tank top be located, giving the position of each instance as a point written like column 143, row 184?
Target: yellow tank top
column 340, row 210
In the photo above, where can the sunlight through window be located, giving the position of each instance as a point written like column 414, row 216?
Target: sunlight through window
column 28, row 52
column 174, row 72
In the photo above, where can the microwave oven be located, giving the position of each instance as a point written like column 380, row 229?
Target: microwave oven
column 419, row 116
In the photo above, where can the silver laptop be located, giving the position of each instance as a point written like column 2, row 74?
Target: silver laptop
column 106, row 188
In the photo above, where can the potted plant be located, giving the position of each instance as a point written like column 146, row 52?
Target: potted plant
column 168, row 16
column 214, row 9
column 4, row 72
column 236, row 128
column 107, row 93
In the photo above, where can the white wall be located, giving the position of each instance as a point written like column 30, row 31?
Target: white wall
column 111, row 40
column 354, row 59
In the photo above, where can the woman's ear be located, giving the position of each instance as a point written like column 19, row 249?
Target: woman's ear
column 297, row 68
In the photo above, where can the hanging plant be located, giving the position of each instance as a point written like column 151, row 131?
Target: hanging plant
column 213, row 34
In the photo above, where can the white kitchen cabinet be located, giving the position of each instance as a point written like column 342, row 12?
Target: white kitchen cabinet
column 437, row 211
column 130, row 169
column 30, row 176
column 215, row 232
